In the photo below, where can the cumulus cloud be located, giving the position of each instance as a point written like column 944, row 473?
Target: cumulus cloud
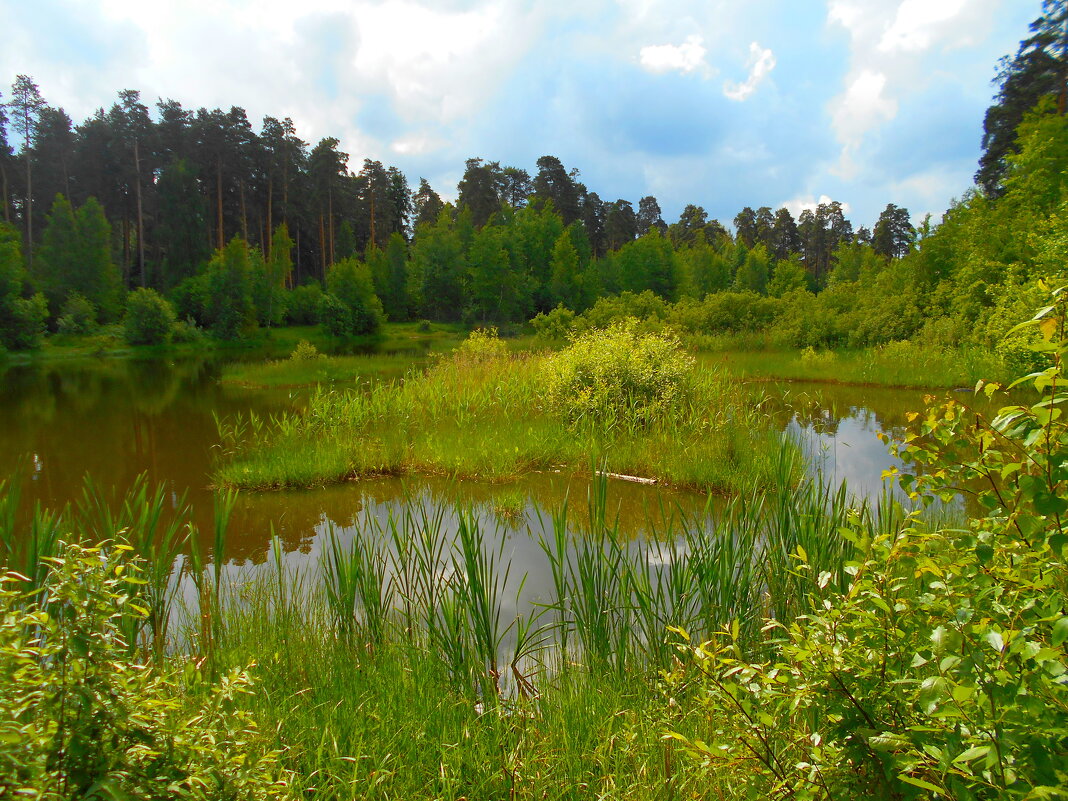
column 862, row 107
column 917, row 22
column 809, row 202
column 686, row 58
column 761, row 63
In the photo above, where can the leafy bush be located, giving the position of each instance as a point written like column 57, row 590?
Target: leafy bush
column 78, row 316
column 941, row 669
column 228, row 305
column 28, row 316
column 302, row 305
column 556, row 326
column 189, row 299
column 481, row 345
column 186, row 331
column 149, row 318
column 349, row 282
column 305, row 352
column 80, row 718
column 334, row 316
column 617, row 371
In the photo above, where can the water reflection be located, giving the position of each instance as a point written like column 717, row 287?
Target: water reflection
column 114, row 419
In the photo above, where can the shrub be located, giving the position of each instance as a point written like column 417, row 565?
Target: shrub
column 334, row 316
column 149, row 318
column 350, row 283
column 481, row 345
column 228, row 306
column 80, row 718
column 556, row 326
column 189, row 298
column 305, row 352
column 939, row 669
column 617, row 371
column 302, row 305
column 78, row 316
column 186, row 331
column 28, row 317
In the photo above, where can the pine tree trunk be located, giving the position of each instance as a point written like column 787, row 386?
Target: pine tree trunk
column 140, row 214
column 29, row 210
column 244, row 214
column 322, row 247
column 7, row 209
column 330, row 201
column 270, row 203
column 218, row 201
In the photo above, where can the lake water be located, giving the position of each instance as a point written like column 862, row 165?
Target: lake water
column 116, row 418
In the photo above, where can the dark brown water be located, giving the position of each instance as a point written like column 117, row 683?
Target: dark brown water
column 115, row 419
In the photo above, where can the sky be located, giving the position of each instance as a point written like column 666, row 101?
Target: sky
column 721, row 103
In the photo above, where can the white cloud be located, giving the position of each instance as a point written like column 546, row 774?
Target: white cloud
column 809, row 203
column 917, row 24
column 761, row 63
column 685, row 58
column 863, row 107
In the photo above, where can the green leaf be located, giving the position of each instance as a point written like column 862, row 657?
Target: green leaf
column 923, row 785
column 973, row 753
column 1060, row 631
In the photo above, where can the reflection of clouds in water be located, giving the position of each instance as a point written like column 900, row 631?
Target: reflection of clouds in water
column 853, row 453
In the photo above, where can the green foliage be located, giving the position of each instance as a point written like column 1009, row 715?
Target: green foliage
column 228, row 306
column 28, row 316
column 616, row 371
column 13, row 333
column 481, row 345
column 353, row 308
column 149, row 318
column 305, row 352
column 302, row 305
column 940, row 669
column 555, row 326
column 78, row 316
column 80, row 718
column 75, row 257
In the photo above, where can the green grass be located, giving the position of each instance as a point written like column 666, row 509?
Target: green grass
column 489, row 420
column 899, row 364
column 324, row 370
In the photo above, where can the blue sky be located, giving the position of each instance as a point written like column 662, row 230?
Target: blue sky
column 723, row 103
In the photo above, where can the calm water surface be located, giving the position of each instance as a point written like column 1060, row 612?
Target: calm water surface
column 114, row 419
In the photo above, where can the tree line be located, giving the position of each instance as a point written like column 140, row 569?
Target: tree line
column 214, row 215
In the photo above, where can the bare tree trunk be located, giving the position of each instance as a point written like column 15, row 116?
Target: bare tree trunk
column 244, row 214
column 218, row 201
column 330, row 202
column 29, row 210
column 270, row 203
column 7, row 208
column 140, row 214
column 322, row 246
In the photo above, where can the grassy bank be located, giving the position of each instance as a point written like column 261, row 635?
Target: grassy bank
column 899, row 364
column 489, row 417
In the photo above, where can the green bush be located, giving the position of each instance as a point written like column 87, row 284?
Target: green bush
column 78, row 316
column 934, row 664
column 481, row 345
column 556, row 326
column 616, row 372
column 334, row 316
column 305, row 352
column 349, row 282
column 28, row 316
column 302, row 305
column 80, row 718
column 189, row 297
column 149, row 318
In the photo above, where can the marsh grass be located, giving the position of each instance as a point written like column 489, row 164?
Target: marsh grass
column 896, row 364
column 489, row 419
column 401, row 668
column 286, row 373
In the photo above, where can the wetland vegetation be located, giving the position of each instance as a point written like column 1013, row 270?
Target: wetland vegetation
column 541, row 524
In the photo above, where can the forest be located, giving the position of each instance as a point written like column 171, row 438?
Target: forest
column 189, row 222
column 315, row 486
